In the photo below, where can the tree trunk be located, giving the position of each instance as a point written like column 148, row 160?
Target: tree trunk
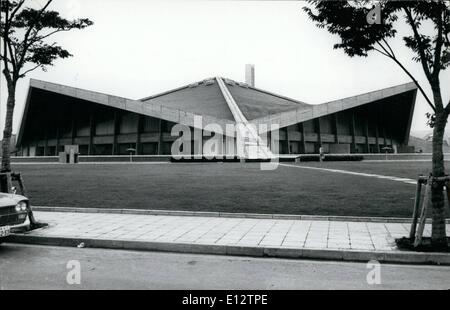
column 7, row 132
column 438, row 234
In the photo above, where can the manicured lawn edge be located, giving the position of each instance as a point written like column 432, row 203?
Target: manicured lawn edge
column 228, row 215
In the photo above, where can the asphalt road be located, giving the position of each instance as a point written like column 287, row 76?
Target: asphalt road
column 45, row 267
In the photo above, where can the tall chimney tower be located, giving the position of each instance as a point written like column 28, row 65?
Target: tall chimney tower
column 250, row 75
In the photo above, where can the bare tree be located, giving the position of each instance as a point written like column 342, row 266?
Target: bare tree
column 25, row 47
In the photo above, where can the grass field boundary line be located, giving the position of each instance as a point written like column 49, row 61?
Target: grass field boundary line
column 377, row 176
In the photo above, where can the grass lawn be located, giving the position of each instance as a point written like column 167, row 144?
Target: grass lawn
column 226, row 187
column 406, row 169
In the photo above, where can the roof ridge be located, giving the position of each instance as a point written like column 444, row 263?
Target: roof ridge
column 174, row 90
column 268, row 92
column 225, row 79
column 164, row 93
column 370, row 92
column 233, row 106
column 396, row 90
column 118, row 102
column 34, row 81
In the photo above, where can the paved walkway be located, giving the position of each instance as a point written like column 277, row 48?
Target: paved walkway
column 303, row 234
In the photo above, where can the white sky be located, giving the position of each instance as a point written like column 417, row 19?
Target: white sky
column 141, row 47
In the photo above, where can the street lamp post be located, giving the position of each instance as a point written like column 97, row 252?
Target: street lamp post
column 386, row 149
column 131, row 151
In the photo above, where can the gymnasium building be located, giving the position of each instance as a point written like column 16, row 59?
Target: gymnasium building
column 101, row 124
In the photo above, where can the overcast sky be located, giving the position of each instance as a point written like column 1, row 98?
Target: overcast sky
column 141, row 47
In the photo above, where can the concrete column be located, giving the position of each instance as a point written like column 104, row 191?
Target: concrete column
column 336, row 131
column 73, row 132
column 91, row 133
column 319, row 133
column 46, row 142
column 57, row 141
column 353, row 133
column 377, row 134
column 138, row 138
column 367, row 135
column 160, row 137
column 46, row 130
column 302, row 135
column 288, row 141
column 115, row 132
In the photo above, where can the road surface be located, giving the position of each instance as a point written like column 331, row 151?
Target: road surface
column 45, row 267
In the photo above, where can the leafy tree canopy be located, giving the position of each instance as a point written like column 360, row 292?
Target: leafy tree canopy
column 348, row 20
column 24, row 31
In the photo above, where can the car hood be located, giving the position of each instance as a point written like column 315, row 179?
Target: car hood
column 10, row 199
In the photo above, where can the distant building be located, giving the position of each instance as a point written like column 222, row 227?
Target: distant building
column 426, row 145
column 102, row 124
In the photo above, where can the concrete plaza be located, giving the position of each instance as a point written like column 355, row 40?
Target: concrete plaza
column 225, row 231
column 288, row 238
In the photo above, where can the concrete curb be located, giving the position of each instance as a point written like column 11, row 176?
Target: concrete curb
column 229, row 215
column 273, row 252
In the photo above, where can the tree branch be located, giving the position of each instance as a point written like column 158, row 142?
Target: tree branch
column 421, row 49
column 2, row 59
column 447, row 108
column 387, row 44
column 11, row 55
column 27, row 71
column 6, row 39
column 6, row 71
column 386, row 53
column 382, row 53
column 438, row 49
column 39, row 38
column 408, row 73
column 27, row 34
column 19, row 5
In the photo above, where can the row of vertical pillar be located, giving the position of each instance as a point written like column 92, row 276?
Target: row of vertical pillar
column 335, row 125
column 92, row 125
column 379, row 133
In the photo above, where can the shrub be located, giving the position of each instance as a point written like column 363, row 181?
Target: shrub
column 341, row 157
column 203, row 160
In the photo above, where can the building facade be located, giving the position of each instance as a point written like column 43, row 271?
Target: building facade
column 102, row 124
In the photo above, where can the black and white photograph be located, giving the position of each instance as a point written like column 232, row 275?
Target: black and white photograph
column 224, row 150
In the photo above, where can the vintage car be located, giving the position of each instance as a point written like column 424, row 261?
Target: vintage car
column 13, row 211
